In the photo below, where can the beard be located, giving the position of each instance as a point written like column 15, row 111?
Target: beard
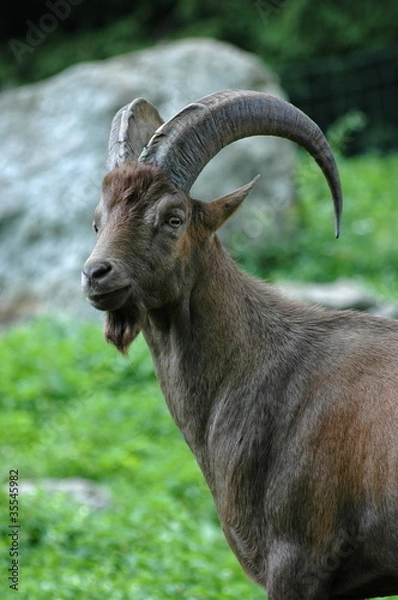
column 122, row 326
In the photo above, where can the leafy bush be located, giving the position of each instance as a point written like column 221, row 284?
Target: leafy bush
column 366, row 250
column 319, row 66
column 280, row 31
column 72, row 407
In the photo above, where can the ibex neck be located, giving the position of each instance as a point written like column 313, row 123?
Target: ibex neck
column 202, row 345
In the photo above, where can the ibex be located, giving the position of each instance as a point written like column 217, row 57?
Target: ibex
column 290, row 410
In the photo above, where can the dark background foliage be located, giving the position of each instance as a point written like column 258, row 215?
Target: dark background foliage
column 279, row 30
column 332, row 56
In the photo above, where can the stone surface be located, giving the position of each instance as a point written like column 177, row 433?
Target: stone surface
column 82, row 491
column 343, row 294
column 54, row 139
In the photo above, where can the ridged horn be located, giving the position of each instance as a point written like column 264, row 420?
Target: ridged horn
column 188, row 141
column 132, row 128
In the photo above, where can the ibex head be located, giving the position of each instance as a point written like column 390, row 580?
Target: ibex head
column 151, row 233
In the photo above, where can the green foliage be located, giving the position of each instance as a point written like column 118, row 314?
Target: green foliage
column 59, row 51
column 280, row 31
column 71, row 406
column 286, row 34
column 366, row 249
column 305, row 29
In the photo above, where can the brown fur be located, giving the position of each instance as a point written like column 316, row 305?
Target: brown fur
column 128, row 185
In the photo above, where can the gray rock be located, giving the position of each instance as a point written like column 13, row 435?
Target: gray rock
column 80, row 490
column 388, row 310
column 343, row 294
column 54, row 139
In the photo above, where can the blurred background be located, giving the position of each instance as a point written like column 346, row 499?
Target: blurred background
column 332, row 58
column 111, row 503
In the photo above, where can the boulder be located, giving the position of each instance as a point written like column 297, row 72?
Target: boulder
column 54, row 139
column 342, row 294
column 79, row 490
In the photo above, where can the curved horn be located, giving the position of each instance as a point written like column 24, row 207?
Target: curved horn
column 188, row 141
column 132, row 128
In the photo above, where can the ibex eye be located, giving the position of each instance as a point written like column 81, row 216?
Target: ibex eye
column 174, row 221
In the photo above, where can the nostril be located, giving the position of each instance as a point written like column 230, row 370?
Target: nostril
column 98, row 270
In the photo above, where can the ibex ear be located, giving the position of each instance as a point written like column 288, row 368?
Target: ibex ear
column 219, row 210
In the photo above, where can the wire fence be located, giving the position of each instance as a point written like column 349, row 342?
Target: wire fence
column 366, row 81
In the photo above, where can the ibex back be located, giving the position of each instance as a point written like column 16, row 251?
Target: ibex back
column 291, row 411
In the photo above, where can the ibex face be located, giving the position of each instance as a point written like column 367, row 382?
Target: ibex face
column 150, row 236
column 143, row 224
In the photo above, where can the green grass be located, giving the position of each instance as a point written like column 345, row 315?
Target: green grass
column 71, row 406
